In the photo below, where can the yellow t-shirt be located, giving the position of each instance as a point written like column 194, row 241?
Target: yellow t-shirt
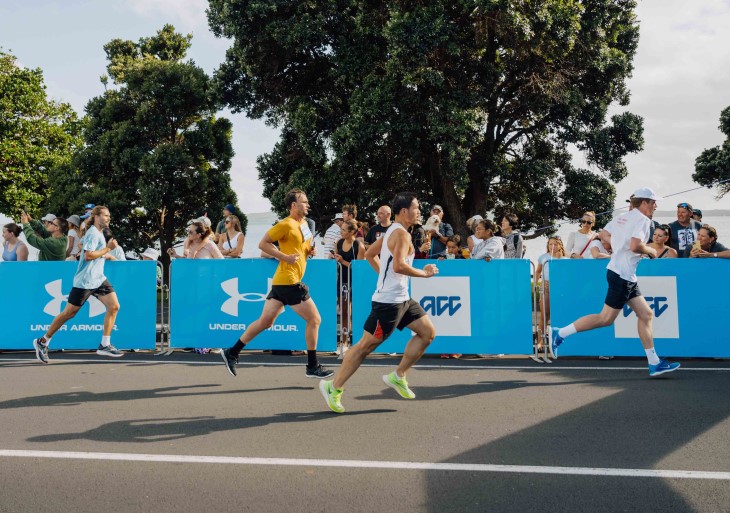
column 293, row 237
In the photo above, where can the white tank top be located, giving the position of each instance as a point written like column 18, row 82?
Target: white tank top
column 233, row 244
column 392, row 287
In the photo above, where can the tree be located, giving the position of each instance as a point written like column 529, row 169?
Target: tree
column 36, row 135
column 713, row 165
column 476, row 105
column 155, row 152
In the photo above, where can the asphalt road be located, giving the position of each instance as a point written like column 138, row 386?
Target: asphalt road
column 578, row 435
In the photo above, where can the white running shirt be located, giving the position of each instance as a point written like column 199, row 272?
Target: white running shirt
column 630, row 225
column 392, row 287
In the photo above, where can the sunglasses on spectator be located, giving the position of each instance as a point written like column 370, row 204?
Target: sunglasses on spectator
column 684, row 205
column 585, row 221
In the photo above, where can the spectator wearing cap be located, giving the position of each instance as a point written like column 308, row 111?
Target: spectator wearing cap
column 87, row 210
column 228, row 210
column 439, row 237
column 53, row 246
column 707, row 245
column 379, row 229
column 153, row 255
column 697, row 214
column 74, row 246
column 332, row 235
column 471, row 223
column 514, row 245
column 684, row 230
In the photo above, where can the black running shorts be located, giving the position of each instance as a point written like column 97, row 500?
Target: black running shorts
column 78, row 297
column 289, row 294
column 620, row 291
column 384, row 318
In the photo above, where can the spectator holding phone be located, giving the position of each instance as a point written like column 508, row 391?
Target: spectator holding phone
column 51, row 240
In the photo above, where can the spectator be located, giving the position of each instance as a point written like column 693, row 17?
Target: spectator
column 117, row 253
column 684, row 230
column 697, row 215
column 514, row 244
column 348, row 249
column 74, row 240
column 154, row 255
column 200, row 245
column 332, row 235
column 440, row 236
column 87, row 211
column 50, row 241
column 706, row 245
column 490, row 246
column 578, row 242
column 379, row 229
column 471, row 223
column 454, row 251
column 206, row 223
column 598, row 249
column 230, row 242
column 555, row 251
column 14, row 250
column 421, row 244
column 349, row 213
column 660, row 242
column 228, row 210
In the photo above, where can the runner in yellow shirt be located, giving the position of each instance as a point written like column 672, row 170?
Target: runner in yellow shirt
column 295, row 246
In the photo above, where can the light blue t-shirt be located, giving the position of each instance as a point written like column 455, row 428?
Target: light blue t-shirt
column 90, row 275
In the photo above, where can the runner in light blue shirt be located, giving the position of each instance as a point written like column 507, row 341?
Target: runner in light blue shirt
column 89, row 280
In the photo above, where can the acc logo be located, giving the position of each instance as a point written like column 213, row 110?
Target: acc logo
column 230, row 287
column 660, row 293
column 437, row 305
column 53, row 307
column 448, row 300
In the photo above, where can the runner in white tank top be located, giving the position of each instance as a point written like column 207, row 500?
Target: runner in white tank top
column 392, row 287
column 392, row 258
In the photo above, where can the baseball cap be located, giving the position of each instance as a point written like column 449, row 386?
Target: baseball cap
column 697, row 212
column 474, row 219
column 89, row 206
column 151, row 253
column 338, row 215
column 74, row 220
column 646, row 193
column 48, row 218
column 202, row 219
column 686, row 206
column 437, row 207
column 230, row 208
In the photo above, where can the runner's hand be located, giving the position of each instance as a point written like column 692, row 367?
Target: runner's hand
column 291, row 259
column 112, row 244
column 430, row 270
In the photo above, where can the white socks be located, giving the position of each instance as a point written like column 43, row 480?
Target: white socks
column 567, row 331
column 652, row 356
column 106, row 340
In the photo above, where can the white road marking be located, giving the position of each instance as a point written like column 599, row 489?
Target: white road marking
column 397, row 465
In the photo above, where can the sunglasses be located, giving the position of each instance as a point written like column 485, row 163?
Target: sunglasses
column 684, row 205
column 228, row 221
column 584, row 221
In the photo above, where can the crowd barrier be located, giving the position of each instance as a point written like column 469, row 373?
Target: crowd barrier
column 33, row 293
column 688, row 298
column 476, row 307
column 212, row 302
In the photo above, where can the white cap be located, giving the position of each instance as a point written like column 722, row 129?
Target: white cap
column 646, row 193
column 474, row 219
column 49, row 218
column 151, row 253
column 203, row 219
column 338, row 217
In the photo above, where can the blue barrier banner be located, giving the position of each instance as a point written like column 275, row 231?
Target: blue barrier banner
column 212, row 302
column 477, row 307
column 33, row 293
column 679, row 291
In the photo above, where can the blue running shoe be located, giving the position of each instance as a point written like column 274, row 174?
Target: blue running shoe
column 662, row 368
column 555, row 341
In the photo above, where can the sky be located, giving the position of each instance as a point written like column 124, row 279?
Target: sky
column 681, row 78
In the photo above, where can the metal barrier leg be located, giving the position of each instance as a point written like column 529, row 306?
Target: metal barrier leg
column 165, row 349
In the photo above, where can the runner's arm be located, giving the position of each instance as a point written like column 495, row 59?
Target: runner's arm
column 401, row 245
column 372, row 255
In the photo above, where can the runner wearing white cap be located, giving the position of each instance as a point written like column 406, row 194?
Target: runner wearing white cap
column 627, row 235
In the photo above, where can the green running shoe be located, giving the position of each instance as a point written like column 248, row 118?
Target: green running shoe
column 332, row 396
column 400, row 385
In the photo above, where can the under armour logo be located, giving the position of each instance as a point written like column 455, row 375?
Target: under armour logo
column 230, row 287
column 53, row 307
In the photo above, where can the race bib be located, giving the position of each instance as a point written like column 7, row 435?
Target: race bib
column 306, row 233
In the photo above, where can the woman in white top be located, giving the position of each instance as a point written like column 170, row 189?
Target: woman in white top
column 577, row 243
column 230, row 242
column 473, row 240
column 555, row 251
column 200, row 244
column 490, row 247
column 597, row 249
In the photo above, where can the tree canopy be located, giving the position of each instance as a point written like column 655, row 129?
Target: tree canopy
column 478, row 105
column 37, row 134
column 713, row 165
column 155, row 152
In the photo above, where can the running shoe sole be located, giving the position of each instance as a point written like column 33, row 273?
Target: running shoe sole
column 113, row 355
column 38, row 350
